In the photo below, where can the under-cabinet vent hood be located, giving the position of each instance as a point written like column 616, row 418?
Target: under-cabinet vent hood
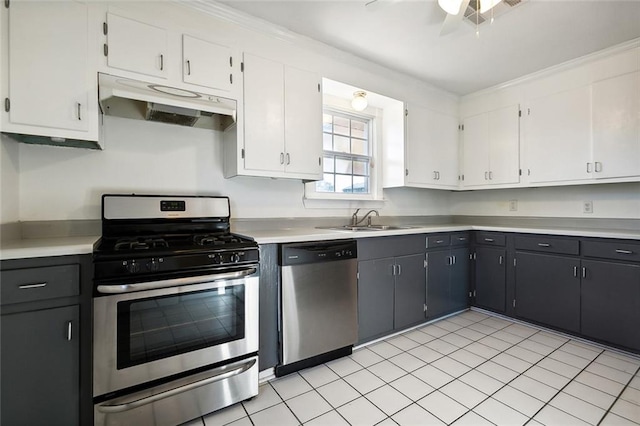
column 123, row 97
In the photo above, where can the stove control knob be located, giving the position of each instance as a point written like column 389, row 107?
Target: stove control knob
column 133, row 267
column 216, row 258
column 153, row 266
column 235, row 258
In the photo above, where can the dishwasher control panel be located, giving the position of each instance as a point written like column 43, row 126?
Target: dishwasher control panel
column 317, row 252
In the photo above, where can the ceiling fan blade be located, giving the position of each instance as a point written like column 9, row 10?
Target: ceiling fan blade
column 452, row 22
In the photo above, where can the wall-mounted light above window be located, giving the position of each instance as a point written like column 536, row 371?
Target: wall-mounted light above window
column 359, row 101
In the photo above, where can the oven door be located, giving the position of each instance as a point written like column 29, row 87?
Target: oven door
column 146, row 331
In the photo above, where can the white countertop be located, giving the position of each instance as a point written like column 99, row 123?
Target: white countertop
column 44, row 247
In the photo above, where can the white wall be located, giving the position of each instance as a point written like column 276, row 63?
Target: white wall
column 66, row 183
column 620, row 200
column 9, row 180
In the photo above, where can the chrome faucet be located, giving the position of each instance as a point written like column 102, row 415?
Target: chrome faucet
column 355, row 221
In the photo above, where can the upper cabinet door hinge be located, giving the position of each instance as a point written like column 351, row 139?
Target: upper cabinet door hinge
column 7, row 104
column 406, row 112
column 105, row 49
column 528, row 111
column 406, row 172
column 105, row 28
column 242, row 152
column 231, row 78
column 6, row 4
column 231, row 61
column 520, row 172
column 241, row 66
column 318, row 87
column 519, row 113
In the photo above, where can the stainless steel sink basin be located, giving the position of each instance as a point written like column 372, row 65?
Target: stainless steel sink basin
column 365, row 228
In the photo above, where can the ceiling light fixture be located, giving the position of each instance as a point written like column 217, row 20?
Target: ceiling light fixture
column 359, row 101
column 486, row 5
column 452, row 7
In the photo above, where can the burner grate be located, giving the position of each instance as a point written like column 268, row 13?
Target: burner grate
column 140, row 244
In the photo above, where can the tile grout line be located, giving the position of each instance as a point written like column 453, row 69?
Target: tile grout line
column 618, row 397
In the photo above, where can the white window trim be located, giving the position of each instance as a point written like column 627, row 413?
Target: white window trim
column 375, row 172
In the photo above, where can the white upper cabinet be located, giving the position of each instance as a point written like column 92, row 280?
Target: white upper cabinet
column 431, row 155
column 49, row 91
column 282, row 121
column 137, row 46
column 206, row 64
column 491, row 148
column 616, row 126
column 558, row 136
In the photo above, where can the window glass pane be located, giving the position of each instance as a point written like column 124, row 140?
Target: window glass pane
column 343, row 166
column 327, row 142
column 360, row 167
column 359, row 129
column 327, row 164
column 343, row 183
column 325, row 185
column 360, row 184
column 341, row 144
column 327, row 120
column 359, row 146
column 341, row 126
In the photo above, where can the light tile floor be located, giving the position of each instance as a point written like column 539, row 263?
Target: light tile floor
column 468, row 369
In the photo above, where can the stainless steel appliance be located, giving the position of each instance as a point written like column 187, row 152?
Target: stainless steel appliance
column 318, row 303
column 175, row 306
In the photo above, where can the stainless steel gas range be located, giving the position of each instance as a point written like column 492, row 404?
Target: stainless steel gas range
column 175, row 311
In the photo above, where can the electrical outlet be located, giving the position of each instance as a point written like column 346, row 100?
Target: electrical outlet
column 513, row 205
column 587, row 207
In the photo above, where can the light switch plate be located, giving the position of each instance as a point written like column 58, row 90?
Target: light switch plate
column 587, row 207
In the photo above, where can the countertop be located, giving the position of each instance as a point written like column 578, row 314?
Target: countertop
column 59, row 246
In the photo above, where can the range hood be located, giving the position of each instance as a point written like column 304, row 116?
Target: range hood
column 123, row 97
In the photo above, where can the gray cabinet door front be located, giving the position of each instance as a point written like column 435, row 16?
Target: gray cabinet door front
column 611, row 302
column 375, row 298
column 548, row 290
column 490, row 279
column 459, row 280
column 438, row 283
column 40, row 367
column 410, row 290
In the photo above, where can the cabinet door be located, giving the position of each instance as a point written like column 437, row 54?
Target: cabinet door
column 490, row 278
column 136, row 46
column 616, row 126
column 611, row 302
column 375, row 298
column 459, row 280
column 548, row 290
column 476, row 150
column 504, row 145
column 438, row 271
column 263, row 114
column 302, row 123
column 431, row 148
column 40, row 367
column 206, row 64
column 558, row 136
column 48, row 59
column 410, row 290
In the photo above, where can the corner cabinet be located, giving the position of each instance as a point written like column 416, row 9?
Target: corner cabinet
column 430, row 148
column 281, row 123
column 46, row 309
column 48, row 90
column 491, row 148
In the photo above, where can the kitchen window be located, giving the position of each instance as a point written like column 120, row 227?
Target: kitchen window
column 347, row 153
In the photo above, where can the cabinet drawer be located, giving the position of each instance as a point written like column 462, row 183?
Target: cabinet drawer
column 611, row 249
column 548, row 244
column 27, row 285
column 380, row 247
column 460, row 239
column 439, row 240
column 490, row 238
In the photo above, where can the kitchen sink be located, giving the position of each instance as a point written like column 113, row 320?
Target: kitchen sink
column 365, row 228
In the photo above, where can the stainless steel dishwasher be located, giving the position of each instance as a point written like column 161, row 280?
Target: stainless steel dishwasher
column 318, row 303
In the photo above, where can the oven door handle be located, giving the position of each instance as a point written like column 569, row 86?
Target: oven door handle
column 136, row 400
column 175, row 282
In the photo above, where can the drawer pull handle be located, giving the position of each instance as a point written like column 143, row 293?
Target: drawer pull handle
column 489, row 240
column 462, row 238
column 439, row 241
column 624, row 251
column 28, row 286
column 544, row 245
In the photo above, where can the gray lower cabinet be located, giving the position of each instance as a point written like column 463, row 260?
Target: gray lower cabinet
column 611, row 302
column 490, row 278
column 40, row 374
column 447, row 281
column 547, row 290
column 376, row 287
column 459, row 279
column 410, row 291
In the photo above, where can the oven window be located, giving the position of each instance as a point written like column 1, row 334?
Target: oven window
column 160, row 327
